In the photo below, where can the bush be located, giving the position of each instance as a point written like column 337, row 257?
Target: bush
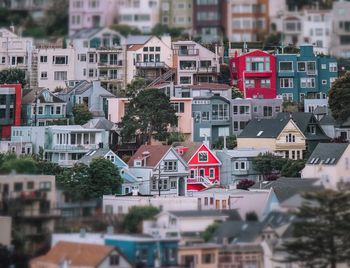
column 245, row 184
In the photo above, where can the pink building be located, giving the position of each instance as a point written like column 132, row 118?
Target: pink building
column 183, row 106
column 91, row 14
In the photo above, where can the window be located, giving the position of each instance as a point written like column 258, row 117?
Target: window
column 244, row 109
column 324, row 82
column 240, row 165
column 267, row 111
column 323, row 66
column 82, row 57
column 312, row 129
column 109, row 208
column 235, row 109
column 307, row 82
column 258, row 64
column 286, row 66
column 58, row 76
column 205, row 116
column 179, row 107
column 205, row 201
column 43, row 59
column 60, row 59
column 249, row 83
column 30, row 185
column 192, row 173
column 91, row 58
column 208, row 258
column 290, row 138
column 220, row 112
column 3, row 60
column 43, row 75
column 333, row 67
column 40, row 110
column 173, row 184
column 45, row 185
column 203, row 157
column 185, row 80
column 301, row 67
column 18, row 186
column 170, row 165
column 286, row 82
column 265, row 83
column 211, row 173
column 235, row 126
column 114, row 260
column 58, row 109
column 332, row 79
column 163, row 184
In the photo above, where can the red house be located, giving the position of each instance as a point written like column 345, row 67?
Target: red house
column 204, row 165
column 10, row 108
column 254, row 73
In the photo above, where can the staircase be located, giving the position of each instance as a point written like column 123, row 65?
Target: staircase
column 162, row 78
column 33, row 80
column 200, row 179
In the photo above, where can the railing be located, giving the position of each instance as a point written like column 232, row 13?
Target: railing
column 38, row 213
column 72, row 147
column 111, row 63
column 29, row 195
column 112, row 77
column 187, row 52
column 159, row 64
column 199, row 179
column 209, row 69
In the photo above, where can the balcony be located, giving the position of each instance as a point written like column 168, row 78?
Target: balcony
column 38, row 214
column 208, row 69
column 187, row 52
column 72, row 147
column 159, row 64
column 27, row 196
column 111, row 49
column 111, row 64
column 111, row 78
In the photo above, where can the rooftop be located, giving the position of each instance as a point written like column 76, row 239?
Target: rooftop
column 327, row 153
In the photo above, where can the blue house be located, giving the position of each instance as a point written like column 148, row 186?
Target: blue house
column 305, row 75
column 41, row 107
column 145, row 251
column 211, row 118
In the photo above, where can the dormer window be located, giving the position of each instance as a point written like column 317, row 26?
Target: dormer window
column 203, row 157
column 137, row 163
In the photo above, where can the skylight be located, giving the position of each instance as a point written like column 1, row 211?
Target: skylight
column 333, row 160
column 312, row 160
column 259, row 134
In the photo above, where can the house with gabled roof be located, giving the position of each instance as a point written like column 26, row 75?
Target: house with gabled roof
column 160, row 170
column 280, row 135
column 203, row 164
column 329, row 162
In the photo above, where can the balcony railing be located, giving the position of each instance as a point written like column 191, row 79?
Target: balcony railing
column 38, row 213
column 73, row 147
column 199, row 179
column 187, row 52
column 29, row 195
column 159, row 64
column 116, row 63
column 209, row 69
column 112, row 77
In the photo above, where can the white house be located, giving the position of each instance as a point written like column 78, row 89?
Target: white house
column 195, row 64
column 160, row 169
column 329, row 162
column 148, row 57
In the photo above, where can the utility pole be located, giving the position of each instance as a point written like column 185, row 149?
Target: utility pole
column 35, row 107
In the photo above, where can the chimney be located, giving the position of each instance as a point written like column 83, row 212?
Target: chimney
column 145, row 155
column 96, row 83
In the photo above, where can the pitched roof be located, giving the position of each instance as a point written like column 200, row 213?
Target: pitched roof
column 29, row 96
column 85, row 33
column 99, row 123
column 192, row 148
column 301, row 119
column 92, row 154
column 137, row 39
column 328, row 153
column 327, row 120
column 231, row 214
column 155, row 154
column 213, row 86
column 264, row 128
column 320, row 110
column 78, row 254
column 285, row 188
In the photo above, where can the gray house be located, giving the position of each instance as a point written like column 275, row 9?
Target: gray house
column 237, row 164
column 211, row 118
column 244, row 110
column 90, row 93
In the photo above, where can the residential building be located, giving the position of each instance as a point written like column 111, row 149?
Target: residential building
column 10, row 108
column 203, row 164
column 247, row 21
column 281, row 136
column 211, row 116
column 185, row 225
column 261, row 202
column 143, row 15
column 329, row 162
column 149, row 57
column 31, row 202
column 120, row 204
column 310, row 106
column 254, row 74
column 244, row 110
column 6, row 230
column 75, row 255
column 305, row 75
column 40, row 107
column 182, row 106
column 309, row 126
column 92, row 94
column 36, row 9
column 15, row 51
column 91, row 14
column 209, row 20
column 53, row 67
column 340, row 34
column 177, row 14
column 160, row 169
column 129, row 180
column 237, row 164
column 197, row 90
column 100, row 55
column 194, row 63
column 204, row 255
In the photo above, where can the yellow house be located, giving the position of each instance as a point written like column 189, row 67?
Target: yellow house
column 199, row 256
column 281, row 136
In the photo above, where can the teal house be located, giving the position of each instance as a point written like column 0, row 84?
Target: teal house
column 305, row 75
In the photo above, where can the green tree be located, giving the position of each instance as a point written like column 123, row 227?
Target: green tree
column 321, row 236
column 56, row 19
column 125, row 30
column 13, row 76
column 224, row 75
column 267, row 164
column 231, row 143
column 136, row 215
column 245, row 184
column 339, row 98
column 236, row 93
column 137, row 85
column 23, row 165
column 175, row 137
column 292, row 168
column 81, row 114
column 161, row 29
column 209, row 231
column 251, row 216
column 149, row 114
